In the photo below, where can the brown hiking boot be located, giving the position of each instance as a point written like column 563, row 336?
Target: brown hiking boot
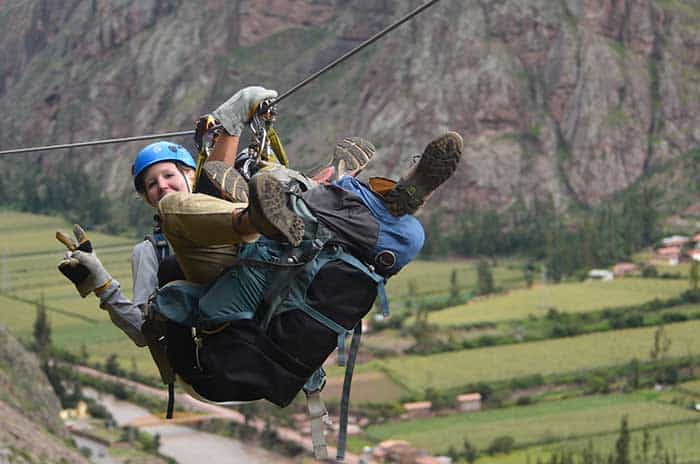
column 221, row 180
column 437, row 163
column 268, row 210
column 350, row 157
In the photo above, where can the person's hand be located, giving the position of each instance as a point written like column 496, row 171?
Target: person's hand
column 80, row 264
column 238, row 109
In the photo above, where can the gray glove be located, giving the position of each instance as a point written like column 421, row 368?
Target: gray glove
column 81, row 266
column 238, row 109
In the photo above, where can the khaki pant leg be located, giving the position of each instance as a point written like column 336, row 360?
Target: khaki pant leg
column 200, row 230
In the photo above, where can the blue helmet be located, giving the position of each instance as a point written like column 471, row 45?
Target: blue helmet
column 156, row 153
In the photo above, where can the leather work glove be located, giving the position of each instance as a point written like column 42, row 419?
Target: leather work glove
column 80, row 264
column 238, row 109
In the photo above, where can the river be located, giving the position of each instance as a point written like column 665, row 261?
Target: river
column 187, row 445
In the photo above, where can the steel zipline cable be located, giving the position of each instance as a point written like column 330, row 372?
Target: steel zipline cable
column 286, row 94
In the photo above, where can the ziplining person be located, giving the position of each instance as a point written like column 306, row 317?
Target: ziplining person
column 202, row 229
column 364, row 223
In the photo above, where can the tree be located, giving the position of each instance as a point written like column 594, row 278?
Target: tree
column 529, row 274
column 42, row 329
column 112, row 365
column 412, row 294
column 454, row 288
column 633, row 370
column 84, row 355
column 422, row 331
column 502, row 444
column 646, row 444
column 484, row 283
column 622, row 445
column 694, row 275
column 659, row 349
column 470, row 452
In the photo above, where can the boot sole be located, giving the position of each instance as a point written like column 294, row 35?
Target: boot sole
column 226, row 180
column 437, row 163
column 269, row 201
column 352, row 155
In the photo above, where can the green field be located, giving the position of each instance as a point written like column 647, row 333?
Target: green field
column 431, row 277
column 460, row 368
column 566, row 297
column 534, row 424
column 692, row 388
column 681, row 440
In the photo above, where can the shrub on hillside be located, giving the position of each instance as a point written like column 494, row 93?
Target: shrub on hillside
column 650, row 271
column 530, row 381
column 503, row 444
column 629, row 320
column 439, row 400
column 597, row 384
column 674, row 317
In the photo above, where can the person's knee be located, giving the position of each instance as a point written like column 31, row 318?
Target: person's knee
column 168, row 207
column 171, row 203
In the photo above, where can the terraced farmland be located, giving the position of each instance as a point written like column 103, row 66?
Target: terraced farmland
column 460, row 368
column 566, row 297
column 536, row 423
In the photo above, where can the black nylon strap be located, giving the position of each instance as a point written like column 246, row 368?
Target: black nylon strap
column 171, row 401
column 345, row 398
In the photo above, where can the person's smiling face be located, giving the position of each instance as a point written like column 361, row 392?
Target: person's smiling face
column 164, row 178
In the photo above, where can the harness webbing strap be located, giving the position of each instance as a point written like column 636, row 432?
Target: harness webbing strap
column 171, row 400
column 317, row 413
column 345, row 398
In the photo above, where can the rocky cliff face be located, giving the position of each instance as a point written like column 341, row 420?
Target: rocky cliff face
column 569, row 99
column 31, row 430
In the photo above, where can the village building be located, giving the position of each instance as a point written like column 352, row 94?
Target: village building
column 469, row 402
column 675, row 241
column 600, row 274
column 669, row 256
column 623, row 269
column 400, row 451
column 417, row 409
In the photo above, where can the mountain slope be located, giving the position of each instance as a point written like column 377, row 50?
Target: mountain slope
column 31, row 430
column 573, row 99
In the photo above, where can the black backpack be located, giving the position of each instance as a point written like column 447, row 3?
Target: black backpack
column 264, row 328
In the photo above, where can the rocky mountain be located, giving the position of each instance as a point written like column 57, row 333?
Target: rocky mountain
column 573, row 100
column 31, row 430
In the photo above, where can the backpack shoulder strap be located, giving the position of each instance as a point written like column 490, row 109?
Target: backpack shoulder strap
column 159, row 242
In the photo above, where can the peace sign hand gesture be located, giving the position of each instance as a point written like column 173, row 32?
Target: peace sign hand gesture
column 80, row 264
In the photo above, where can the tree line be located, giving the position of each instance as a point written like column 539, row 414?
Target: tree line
column 598, row 237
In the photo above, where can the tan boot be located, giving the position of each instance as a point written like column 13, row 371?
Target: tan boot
column 437, row 163
column 350, row 157
column 223, row 181
column 269, row 212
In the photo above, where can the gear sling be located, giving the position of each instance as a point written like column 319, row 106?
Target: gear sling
column 306, row 301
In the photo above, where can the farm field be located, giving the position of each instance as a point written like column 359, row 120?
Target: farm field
column 537, row 423
column 681, row 439
column 460, row 368
column 566, row 297
column 431, row 277
column 692, row 388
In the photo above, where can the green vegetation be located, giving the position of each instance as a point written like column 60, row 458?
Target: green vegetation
column 681, row 439
column 28, row 271
column 535, row 424
column 460, row 368
column 565, row 297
